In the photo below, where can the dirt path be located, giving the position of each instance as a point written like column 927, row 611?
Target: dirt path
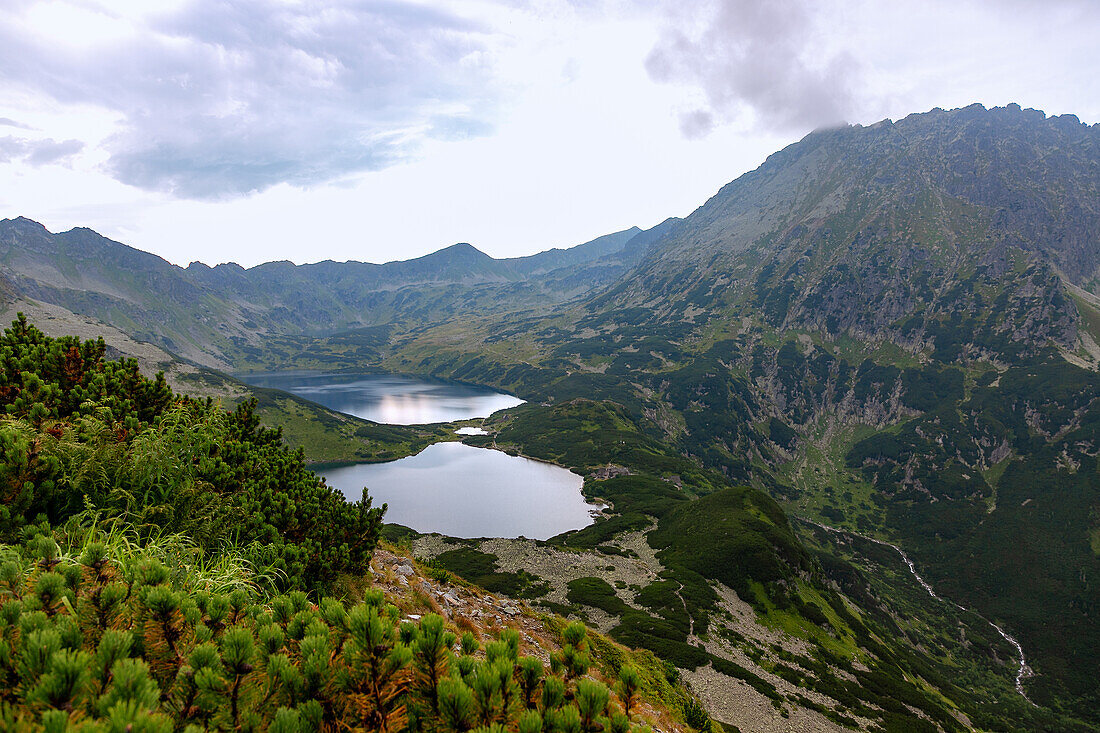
column 691, row 619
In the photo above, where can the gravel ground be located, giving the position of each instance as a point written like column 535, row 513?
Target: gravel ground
column 728, row 699
column 733, row 701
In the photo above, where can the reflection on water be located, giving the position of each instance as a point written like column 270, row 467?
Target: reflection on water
column 387, row 398
column 462, row 491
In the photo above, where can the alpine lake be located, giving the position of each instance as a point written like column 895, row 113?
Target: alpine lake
column 450, row 488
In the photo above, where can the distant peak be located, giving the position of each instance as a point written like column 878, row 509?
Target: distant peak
column 462, row 247
column 24, row 223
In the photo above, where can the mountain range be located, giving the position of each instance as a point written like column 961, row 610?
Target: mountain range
column 887, row 330
column 216, row 315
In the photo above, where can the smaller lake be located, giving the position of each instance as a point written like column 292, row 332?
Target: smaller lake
column 462, row 491
column 388, row 398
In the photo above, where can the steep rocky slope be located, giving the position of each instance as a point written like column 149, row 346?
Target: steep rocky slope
column 889, row 231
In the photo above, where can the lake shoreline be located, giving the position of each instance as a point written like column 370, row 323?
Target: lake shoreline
column 446, row 491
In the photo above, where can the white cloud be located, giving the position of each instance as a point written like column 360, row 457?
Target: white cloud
column 37, row 152
column 521, row 125
column 224, row 99
column 8, row 122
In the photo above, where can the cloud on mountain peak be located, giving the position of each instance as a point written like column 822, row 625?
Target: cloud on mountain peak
column 754, row 57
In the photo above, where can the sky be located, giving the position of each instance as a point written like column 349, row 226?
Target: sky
column 379, row 130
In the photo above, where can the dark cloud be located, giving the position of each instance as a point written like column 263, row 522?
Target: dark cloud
column 37, row 152
column 754, row 56
column 223, row 99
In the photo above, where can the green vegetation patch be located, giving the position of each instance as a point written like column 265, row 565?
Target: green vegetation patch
column 587, row 435
column 480, row 569
column 664, row 599
column 736, row 536
column 637, row 499
column 666, row 639
column 597, row 593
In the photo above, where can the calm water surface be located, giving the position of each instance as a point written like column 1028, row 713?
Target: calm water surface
column 462, row 491
column 388, row 398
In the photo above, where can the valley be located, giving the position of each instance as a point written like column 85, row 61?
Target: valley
column 844, row 417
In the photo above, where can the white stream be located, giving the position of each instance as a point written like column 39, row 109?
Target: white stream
column 1024, row 670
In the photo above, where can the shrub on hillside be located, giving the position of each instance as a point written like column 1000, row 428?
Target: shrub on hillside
column 85, row 434
column 92, row 641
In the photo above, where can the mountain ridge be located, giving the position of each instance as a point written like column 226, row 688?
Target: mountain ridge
column 212, row 315
column 847, row 191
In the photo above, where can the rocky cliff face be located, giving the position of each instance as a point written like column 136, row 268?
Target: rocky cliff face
column 961, row 219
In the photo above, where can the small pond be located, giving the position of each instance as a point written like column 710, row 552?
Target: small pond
column 389, row 398
column 462, row 491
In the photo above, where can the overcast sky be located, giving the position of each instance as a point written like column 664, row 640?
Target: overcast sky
column 257, row 130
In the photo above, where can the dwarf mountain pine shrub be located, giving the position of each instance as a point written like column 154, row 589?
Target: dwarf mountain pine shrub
column 91, row 642
column 81, row 434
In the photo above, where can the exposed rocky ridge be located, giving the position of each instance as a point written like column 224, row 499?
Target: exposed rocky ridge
column 880, row 233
